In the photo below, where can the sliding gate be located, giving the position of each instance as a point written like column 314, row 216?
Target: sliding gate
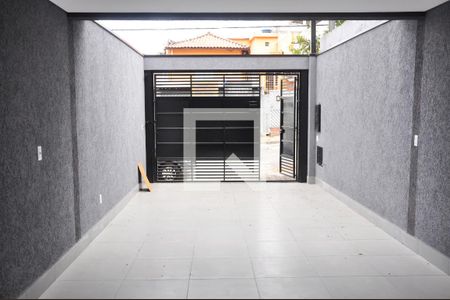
column 226, row 149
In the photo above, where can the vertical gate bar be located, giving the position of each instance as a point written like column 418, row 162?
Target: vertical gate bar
column 259, row 129
column 295, row 126
column 223, row 152
column 281, row 124
column 303, row 133
column 223, row 131
column 192, row 163
column 155, row 127
column 192, row 170
column 190, row 83
column 223, row 85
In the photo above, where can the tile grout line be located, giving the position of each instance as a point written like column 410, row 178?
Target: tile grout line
column 129, row 269
column 192, row 263
column 250, row 257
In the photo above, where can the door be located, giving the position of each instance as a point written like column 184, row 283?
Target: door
column 288, row 104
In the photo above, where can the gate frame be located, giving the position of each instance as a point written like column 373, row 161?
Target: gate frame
column 301, row 113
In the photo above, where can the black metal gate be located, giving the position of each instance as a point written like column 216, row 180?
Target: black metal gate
column 226, row 150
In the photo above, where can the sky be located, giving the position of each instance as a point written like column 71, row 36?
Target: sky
column 150, row 37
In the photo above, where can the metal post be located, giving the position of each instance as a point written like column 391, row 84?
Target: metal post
column 313, row 38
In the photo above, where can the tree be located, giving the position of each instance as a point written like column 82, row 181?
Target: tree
column 303, row 45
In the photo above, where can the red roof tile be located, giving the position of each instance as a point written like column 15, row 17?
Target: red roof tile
column 207, row 40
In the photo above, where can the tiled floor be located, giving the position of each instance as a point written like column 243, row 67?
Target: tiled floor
column 263, row 240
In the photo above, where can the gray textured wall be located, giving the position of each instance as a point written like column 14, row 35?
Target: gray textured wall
column 433, row 172
column 39, row 100
column 109, row 89
column 366, row 88
column 36, row 204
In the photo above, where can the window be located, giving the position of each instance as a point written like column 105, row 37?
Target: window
column 267, row 44
column 271, row 82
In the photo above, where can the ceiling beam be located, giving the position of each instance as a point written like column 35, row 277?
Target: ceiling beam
column 245, row 6
column 249, row 16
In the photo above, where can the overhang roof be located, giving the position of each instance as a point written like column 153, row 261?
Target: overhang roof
column 249, row 6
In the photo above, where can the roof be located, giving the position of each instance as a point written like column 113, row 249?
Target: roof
column 207, row 40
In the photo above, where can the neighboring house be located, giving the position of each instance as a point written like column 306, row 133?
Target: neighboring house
column 265, row 42
column 207, row 44
column 268, row 43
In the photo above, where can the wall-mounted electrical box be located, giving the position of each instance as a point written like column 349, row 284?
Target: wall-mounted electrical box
column 319, row 155
column 39, row 153
column 318, row 117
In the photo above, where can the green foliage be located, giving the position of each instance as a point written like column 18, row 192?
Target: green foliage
column 339, row 22
column 304, row 45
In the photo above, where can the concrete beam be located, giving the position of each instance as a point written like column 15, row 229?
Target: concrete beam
column 224, row 63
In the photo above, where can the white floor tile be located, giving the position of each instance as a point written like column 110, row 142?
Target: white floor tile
column 221, row 233
column 283, row 267
column 213, row 268
column 227, row 248
column 316, row 234
column 274, row 233
column 352, row 220
column 327, row 248
column 82, row 290
column 342, row 266
column 166, row 250
column 223, row 289
column 360, row 288
column 112, row 250
column 381, row 247
column 153, row 289
column 303, row 221
column 274, row 249
column 402, row 265
column 177, row 235
column 424, row 287
column 144, row 269
column 292, row 288
column 363, row 233
column 255, row 222
column 118, row 233
column 96, row 269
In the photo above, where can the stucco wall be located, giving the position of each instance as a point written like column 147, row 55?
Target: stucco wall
column 347, row 31
column 36, row 202
column 366, row 89
column 109, row 88
column 433, row 170
column 87, row 118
